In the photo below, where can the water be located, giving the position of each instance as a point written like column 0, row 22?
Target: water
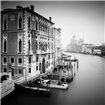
column 87, row 87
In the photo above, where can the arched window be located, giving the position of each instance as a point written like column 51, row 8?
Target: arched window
column 20, row 71
column 20, row 45
column 20, row 42
column 36, row 25
column 20, row 22
column 40, row 26
column 36, row 45
column 5, row 45
column 29, row 45
column 5, row 69
column 20, row 61
column 36, row 58
column 29, row 20
column 5, row 23
column 29, row 70
column 40, row 66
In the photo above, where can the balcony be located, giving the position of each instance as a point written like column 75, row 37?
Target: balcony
column 30, row 52
column 42, row 52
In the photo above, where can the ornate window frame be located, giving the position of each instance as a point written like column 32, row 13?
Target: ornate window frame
column 5, row 38
column 5, row 17
column 19, row 64
column 13, row 64
column 20, row 37
column 3, row 69
column 20, row 16
column 6, row 60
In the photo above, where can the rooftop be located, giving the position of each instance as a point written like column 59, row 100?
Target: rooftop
column 30, row 9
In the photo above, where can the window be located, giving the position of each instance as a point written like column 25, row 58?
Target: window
column 12, row 60
column 5, row 70
column 5, row 22
column 29, row 42
column 5, row 43
column 49, row 56
column 5, row 60
column 36, row 67
column 36, row 45
column 40, row 66
column 29, row 45
column 36, row 25
column 47, row 64
column 29, row 60
column 29, row 22
column 20, row 43
column 36, row 58
column 29, row 70
column 19, row 20
column 20, row 71
column 19, row 61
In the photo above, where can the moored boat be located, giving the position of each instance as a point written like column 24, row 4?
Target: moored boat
column 55, row 84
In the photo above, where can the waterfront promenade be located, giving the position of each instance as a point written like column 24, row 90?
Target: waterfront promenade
column 87, row 88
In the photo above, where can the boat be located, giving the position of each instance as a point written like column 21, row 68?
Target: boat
column 7, row 84
column 33, row 89
column 55, row 84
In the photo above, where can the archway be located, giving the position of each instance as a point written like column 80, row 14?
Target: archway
column 43, row 65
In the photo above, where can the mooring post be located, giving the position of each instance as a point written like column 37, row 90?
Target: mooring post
column 77, row 64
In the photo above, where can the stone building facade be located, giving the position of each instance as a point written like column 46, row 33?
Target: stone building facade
column 57, row 45
column 27, row 42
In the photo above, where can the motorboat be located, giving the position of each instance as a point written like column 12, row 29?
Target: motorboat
column 55, row 84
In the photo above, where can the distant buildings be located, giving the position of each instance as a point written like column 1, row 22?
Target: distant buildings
column 92, row 49
column 78, row 46
column 27, row 42
column 75, row 45
column 87, row 48
column 96, row 51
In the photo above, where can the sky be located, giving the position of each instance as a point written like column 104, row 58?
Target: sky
column 84, row 19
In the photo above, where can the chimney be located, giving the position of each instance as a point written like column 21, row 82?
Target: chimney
column 19, row 7
column 32, row 7
column 50, row 18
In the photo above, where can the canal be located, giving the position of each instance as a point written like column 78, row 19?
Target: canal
column 87, row 88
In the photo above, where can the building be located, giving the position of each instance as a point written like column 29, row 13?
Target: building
column 87, row 48
column 27, row 42
column 72, row 46
column 79, row 45
column 97, row 51
column 57, row 45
